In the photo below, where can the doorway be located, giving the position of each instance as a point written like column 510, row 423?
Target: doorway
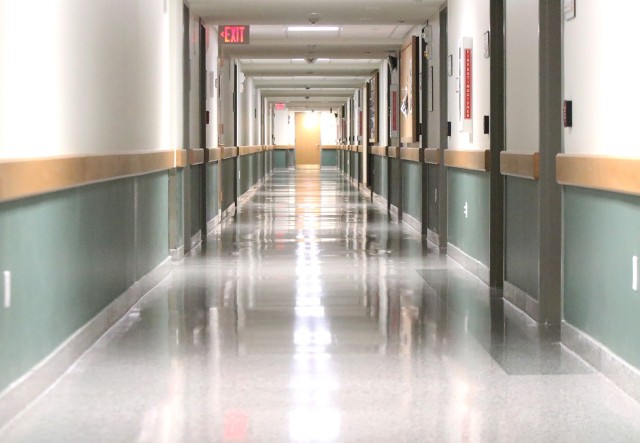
column 308, row 140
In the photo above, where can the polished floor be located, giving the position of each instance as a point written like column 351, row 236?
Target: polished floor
column 309, row 316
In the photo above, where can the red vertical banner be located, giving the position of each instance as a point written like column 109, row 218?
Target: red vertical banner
column 468, row 92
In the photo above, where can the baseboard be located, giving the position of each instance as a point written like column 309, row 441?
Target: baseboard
column 213, row 223
column 196, row 239
column 522, row 300
column 40, row 378
column 472, row 265
column 412, row 222
column 621, row 373
column 177, row 254
column 433, row 237
column 394, row 211
column 228, row 212
column 380, row 200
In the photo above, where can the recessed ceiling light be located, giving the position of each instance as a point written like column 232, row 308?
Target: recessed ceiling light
column 313, row 28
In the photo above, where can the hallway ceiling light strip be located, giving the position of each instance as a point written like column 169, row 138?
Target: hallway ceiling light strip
column 313, row 28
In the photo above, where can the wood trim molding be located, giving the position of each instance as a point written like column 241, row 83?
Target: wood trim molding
column 410, row 154
column 214, row 155
column 229, row 152
column 329, row 147
column 520, row 165
column 284, row 147
column 248, row 150
column 432, row 156
column 615, row 174
column 393, row 152
column 31, row 177
column 196, row 156
column 475, row 160
column 181, row 158
column 379, row 150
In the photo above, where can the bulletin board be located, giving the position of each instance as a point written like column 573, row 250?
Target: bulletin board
column 409, row 91
column 372, row 95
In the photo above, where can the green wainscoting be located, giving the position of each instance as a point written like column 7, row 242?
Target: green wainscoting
column 228, row 186
column 72, row 253
column 280, row 159
column 469, row 233
column 395, row 182
column 329, row 158
column 212, row 191
column 354, row 165
column 380, row 178
column 244, row 174
column 412, row 189
column 522, row 248
column 196, row 196
column 433, row 194
column 602, row 234
column 179, row 208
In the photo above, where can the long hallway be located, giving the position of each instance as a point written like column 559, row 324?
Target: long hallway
column 310, row 316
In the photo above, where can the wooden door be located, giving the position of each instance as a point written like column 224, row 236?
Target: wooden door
column 308, row 139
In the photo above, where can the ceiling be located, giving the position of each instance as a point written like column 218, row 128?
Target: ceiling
column 315, row 70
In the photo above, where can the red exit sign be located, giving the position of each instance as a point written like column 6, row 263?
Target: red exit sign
column 233, row 35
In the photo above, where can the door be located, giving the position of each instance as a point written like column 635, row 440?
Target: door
column 308, row 140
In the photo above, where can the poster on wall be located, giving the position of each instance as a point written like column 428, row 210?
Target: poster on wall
column 372, row 94
column 465, row 65
column 409, row 91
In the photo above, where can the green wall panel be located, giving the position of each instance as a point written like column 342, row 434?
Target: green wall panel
column 602, row 234
column 433, row 194
column 412, row 189
column 212, row 191
column 329, row 158
column 152, row 236
column 522, row 248
column 71, row 253
column 196, row 184
column 180, row 206
column 395, row 188
column 228, row 178
column 354, row 165
column 469, row 233
column 380, row 176
column 280, row 159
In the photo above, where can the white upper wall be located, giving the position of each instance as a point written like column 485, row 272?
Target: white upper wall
column 522, row 76
column 383, row 104
column 469, row 18
column 599, row 63
column 86, row 80
column 281, row 127
column 212, row 90
column 328, row 128
column 433, row 117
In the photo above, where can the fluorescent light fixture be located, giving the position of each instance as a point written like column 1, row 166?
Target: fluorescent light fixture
column 313, row 28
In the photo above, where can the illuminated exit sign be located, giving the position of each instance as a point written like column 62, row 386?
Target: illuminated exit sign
column 233, row 35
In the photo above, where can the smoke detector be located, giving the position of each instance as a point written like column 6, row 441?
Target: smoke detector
column 313, row 17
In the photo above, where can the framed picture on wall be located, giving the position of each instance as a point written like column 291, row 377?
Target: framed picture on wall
column 409, row 91
column 372, row 95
